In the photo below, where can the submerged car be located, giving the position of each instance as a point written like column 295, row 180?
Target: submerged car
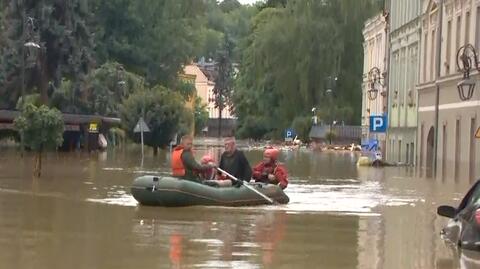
column 464, row 227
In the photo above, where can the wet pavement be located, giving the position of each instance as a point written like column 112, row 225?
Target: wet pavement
column 80, row 215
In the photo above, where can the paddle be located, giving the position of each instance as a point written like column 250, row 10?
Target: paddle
column 248, row 186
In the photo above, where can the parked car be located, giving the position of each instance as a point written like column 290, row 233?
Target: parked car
column 463, row 229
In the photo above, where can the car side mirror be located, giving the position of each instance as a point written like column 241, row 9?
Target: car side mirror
column 446, row 211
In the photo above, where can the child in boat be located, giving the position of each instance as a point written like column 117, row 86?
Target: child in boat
column 208, row 174
column 269, row 170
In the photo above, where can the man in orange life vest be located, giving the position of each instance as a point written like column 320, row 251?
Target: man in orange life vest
column 183, row 163
column 269, row 170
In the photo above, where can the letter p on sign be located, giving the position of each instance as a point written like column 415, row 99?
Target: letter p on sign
column 378, row 124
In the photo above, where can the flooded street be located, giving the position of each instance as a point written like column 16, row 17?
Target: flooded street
column 80, row 215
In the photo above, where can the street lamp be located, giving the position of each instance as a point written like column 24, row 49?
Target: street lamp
column 375, row 77
column 466, row 61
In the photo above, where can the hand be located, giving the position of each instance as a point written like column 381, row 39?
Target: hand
column 271, row 177
column 211, row 165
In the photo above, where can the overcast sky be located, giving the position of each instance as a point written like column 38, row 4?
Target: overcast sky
column 248, row 1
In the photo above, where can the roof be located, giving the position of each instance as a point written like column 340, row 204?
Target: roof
column 10, row 115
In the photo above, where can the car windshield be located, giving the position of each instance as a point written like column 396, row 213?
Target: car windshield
column 473, row 197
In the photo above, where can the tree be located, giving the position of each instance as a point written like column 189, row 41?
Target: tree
column 292, row 47
column 224, row 80
column 164, row 112
column 152, row 38
column 61, row 29
column 200, row 115
column 41, row 128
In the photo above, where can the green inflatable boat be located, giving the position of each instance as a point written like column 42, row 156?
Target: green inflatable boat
column 173, row 192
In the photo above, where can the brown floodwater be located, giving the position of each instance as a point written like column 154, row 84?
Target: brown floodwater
column 80, row 215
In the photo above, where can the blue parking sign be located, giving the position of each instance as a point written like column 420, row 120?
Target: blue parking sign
column 378, row 124
column 289, row 134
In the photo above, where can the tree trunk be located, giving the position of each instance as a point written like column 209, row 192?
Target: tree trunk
column 155, row 151
column 37, row 170
column 220, row 109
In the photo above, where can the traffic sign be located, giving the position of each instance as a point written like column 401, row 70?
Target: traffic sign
column 477, row 133
column 289, row 134
column 378, row 124
column 141, row 126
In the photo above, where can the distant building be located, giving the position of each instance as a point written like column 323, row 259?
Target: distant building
column 375, row 38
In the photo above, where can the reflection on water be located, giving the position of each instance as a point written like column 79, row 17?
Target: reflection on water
column 81, row 215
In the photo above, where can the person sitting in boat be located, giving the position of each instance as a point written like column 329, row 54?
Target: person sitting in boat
column 234, row 162
column 183, row 163
column 208, row 174
column 269, row 170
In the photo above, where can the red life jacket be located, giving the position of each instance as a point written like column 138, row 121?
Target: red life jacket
column 178, row 170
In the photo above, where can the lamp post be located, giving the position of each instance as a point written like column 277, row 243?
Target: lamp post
column 467, row 60
column 375, row 77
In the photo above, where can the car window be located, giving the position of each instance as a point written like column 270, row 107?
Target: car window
column 472, row 196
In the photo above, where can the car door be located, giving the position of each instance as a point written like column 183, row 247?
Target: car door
column 463, row 220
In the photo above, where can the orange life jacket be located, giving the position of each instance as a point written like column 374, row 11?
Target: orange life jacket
column 178, row 170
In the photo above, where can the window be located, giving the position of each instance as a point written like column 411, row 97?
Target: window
column 457, row 149
column 459, row 31
column 412, row 153
column 432, row 57
column 449, row 47
column 407, row 155
column 399, row 151
column 473, row 129
column 425, row 53
column 467, row 27
column 477, row 30
column 444, row 151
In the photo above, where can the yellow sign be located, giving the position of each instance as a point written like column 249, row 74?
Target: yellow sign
column 477, row 133
column 93, row 128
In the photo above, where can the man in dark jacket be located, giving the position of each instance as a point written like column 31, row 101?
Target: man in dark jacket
column 234, row 162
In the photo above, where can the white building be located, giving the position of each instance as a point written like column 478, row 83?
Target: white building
column 375, row 38
column 404, row 64
column 447, row 125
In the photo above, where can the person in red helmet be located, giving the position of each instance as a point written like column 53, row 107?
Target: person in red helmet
column 269, row 170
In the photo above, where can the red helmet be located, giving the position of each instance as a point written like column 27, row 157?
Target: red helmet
column 271, row 153
column 207, row 159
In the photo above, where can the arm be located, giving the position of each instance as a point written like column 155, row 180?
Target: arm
column 190, row 163
column 257, row 171
column 281, row 176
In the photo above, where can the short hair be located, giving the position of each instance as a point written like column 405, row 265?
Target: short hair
column 186, row 137
column 229, row 139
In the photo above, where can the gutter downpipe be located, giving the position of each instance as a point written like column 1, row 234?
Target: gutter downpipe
column 437, row 84
column 386, row 70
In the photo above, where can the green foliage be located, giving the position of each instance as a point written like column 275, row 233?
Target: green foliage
column 41, row 127
column 152, row 38
column 61, row 28
column 186, row 89
column 302, row 126
column 292, row 47
column 200, row 115
column 165, row 115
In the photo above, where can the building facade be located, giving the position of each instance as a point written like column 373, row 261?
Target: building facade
column 447, row 125
column 204, row 89
column 403, row 77
column 375, row 41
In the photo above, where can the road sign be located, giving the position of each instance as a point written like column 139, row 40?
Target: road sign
column 289, row 134
column 477, row 133
column 378, row 124
column 93, row 127
column 141, row 126
column 370, row 145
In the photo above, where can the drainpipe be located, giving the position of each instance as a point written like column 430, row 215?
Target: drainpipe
column 437, row 94
column 386, row 70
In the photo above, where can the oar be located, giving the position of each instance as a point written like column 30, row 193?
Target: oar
column 248, row 186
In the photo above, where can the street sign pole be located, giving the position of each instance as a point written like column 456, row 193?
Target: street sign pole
column 141, row 139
